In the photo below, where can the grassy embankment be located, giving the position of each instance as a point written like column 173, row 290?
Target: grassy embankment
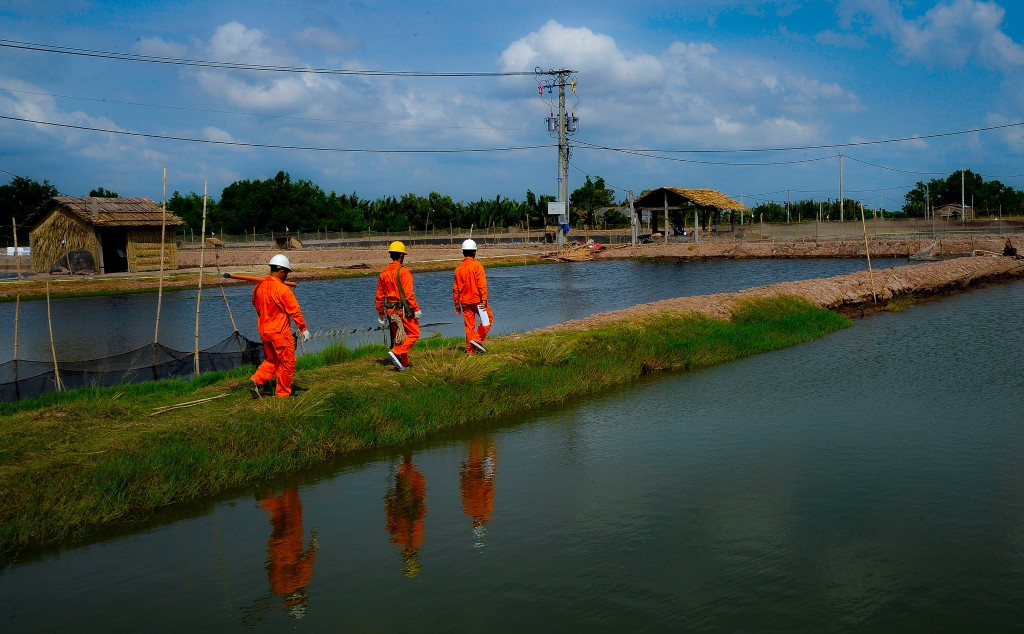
column 73, row 462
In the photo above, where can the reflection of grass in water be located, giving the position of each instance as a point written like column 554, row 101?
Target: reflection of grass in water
column 899, row 304
column 74, row 461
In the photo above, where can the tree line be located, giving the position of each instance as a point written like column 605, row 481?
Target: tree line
column 281, row 204
column 988, row 198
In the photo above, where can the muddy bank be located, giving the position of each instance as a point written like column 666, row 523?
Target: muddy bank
column 854, row 294
column 322, row 263
column 876, row 247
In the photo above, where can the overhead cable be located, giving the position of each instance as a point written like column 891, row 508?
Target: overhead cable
column 274, row 146
column 175, row 61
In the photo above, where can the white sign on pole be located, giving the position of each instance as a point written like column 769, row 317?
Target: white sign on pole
column 556, row 209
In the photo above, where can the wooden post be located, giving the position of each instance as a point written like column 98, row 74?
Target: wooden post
column 871, row 275
column 53, row 349
column 199, row 293
column 17, row 307
column 160, row 283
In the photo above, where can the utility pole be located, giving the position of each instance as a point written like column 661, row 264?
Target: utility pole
column 840, row 187
column 632, row 219
column 563, row 125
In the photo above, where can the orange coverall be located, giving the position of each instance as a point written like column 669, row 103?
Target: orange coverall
column 276, row 307
column 468, row 292
column 405, row 507
column 289, row 568
column 389, row 303
column 476, row 480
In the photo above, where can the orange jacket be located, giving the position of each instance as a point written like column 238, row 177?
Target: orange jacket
column 387, row 287
column 275, row 305
column 476, row 480
column 289, row 567
column 470, row 283
column 405, row 506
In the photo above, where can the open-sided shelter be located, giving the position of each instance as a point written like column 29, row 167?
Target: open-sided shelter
column 120, row 234
column 684, row 202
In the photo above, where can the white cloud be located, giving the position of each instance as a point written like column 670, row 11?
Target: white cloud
column 595, row 56
column 840, row 40
column 211, row 133
column 1012, row 137
column 258, row 90
column 951, row 33
column 159, row 47
column 325, row 41
column 691, row 95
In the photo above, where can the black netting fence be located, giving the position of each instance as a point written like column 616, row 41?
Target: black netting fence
column 23, row 379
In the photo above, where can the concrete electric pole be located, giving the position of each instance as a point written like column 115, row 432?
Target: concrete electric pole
column 563, row 125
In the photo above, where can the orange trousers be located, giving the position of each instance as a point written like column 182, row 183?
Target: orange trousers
column 412, row 334
column 474, row 327
column 279, row 361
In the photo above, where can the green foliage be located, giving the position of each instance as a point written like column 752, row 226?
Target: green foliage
column 100, row 192
column 615, row 218
column 988, row 198
column 589, row 198
column 23, row 199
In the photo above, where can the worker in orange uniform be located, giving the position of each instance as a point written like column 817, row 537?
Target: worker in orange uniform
column 476, row 481
column 470, row 295
column 276, row 307
column 289, row 567
column 397, row 307
column 405, row 507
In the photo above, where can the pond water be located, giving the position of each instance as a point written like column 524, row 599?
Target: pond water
column 870, row 481
column 523, row 298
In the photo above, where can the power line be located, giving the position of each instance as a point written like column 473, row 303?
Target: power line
column 257, row 114
column 824, row 146
column 273, row 146
column 892, row 169
column 650, row 154
column 175, row 61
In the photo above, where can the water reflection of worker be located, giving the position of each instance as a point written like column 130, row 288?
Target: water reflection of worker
column 405, row 505
column 476, row 480
column 289, row 567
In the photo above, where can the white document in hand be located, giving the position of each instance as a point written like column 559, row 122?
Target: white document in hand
column 482, row 310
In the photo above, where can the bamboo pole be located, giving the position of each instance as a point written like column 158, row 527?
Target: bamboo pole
column 53, row 349
column 17, row 306
column 253, row 278
column 185, row 405
column 867, row 252
column 231, row 317
column 199, row 293
column 160, row 284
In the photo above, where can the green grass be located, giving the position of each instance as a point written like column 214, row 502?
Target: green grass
column 73, row 462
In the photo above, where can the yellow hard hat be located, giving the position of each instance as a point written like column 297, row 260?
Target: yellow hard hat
column 396, row 247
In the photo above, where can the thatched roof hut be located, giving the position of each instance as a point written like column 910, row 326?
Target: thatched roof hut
column 108, row 235
column 699, row 201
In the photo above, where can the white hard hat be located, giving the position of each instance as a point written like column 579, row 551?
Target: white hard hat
column 281, row 260
column 469, row 245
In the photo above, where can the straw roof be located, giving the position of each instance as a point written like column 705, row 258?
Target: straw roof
column 115, row 212
column 677, row 196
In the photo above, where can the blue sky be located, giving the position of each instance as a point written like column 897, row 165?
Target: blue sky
column 690, row 87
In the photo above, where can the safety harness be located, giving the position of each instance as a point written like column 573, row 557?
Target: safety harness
column 402, row 303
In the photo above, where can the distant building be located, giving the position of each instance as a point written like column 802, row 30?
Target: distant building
column 954, row 211
column 707, row 203
column 106, row 235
